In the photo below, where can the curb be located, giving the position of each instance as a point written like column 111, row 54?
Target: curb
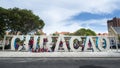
column 60, row 54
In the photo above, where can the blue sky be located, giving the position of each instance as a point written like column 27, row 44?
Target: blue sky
column 70, row 15
column 88, row 16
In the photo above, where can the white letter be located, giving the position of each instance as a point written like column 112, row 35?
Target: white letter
column 104, row 40
column 72, row 41
column 89, row 40
column 61, row 38
column 13, row 43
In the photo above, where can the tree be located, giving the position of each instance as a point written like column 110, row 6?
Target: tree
column 85, row 32
column 38, row 33
column 19, row 20
column 23, row 20
column 3, row 21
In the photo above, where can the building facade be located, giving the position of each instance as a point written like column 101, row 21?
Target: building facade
column 115, row 22
column 114, row 28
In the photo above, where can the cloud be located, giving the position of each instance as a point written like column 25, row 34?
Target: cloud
column 99, row 25
column 57, row 13
column 89, row 16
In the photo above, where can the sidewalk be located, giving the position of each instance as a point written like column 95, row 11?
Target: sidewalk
column 60, row 54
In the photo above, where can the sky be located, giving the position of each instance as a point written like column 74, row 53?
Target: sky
column 70, row 15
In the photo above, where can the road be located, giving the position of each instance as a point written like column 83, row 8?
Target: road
column 59, row 62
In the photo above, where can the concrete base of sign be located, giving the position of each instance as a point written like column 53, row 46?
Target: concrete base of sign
column 60, row 54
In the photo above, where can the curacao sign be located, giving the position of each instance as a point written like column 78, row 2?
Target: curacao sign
column 62, row 43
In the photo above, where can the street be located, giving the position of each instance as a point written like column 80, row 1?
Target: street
column 59, row 62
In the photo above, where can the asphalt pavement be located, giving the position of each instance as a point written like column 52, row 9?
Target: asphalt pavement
column 60, row 62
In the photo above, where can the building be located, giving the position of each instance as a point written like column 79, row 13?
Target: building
column 102, row 34
column 61, row 33
column 115, row 22
column 114, row 28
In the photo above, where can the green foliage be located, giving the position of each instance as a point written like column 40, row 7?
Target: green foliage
column 85, row 32
column 55, row 34
column 22, row 20
column 37, row 33
column 3, row 21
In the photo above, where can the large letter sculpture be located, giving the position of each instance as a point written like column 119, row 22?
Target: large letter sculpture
column 72, row 41
column 13, row 42
column 61, row 38
column 89, row 40
column 103, row 43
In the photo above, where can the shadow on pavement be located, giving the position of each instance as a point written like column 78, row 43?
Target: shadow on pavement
column 91, row 66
